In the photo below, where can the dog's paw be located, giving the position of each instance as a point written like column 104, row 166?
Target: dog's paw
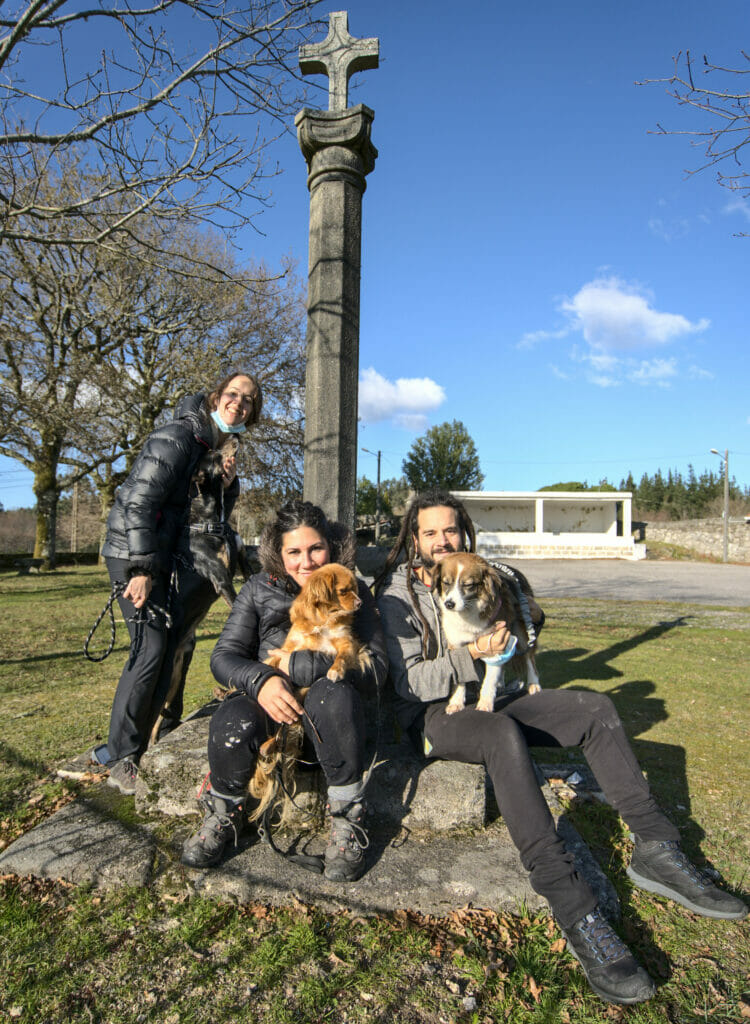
column 334, row 674
column 453, row 706
column 485, row 705
column 534, row 688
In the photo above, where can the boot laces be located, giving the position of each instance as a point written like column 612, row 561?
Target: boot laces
column 221, row 820
column 346, row 832
column 679, row 857
column 605, row 944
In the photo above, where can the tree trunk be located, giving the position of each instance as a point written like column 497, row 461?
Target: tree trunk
column 47, row 495
column 106, row 501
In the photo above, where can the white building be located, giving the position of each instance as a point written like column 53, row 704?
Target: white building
column 553, row 524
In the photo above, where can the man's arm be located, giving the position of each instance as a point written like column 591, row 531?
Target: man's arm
column 415, row 677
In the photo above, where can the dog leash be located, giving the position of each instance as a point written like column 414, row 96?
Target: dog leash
column 148, row 613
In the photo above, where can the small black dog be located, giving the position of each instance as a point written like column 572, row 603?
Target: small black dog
column 216, row 551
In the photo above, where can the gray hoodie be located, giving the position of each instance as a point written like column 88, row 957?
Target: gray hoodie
column 418, row 680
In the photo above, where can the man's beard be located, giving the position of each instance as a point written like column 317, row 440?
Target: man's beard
column 428, row 562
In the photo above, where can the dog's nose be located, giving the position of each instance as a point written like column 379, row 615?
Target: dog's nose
column 450, row 604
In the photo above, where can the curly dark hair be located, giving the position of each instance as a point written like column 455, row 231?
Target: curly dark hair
column 292, row 516
column 405, row 549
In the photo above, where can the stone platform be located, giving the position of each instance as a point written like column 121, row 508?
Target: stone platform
column 434, row 844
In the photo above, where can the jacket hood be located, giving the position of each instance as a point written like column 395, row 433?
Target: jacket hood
column 193, row 409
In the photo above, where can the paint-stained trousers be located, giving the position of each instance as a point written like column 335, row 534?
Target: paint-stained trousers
column 240, row 725
column 501, row 741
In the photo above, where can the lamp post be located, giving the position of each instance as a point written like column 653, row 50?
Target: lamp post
column 377, row 495
column 714, row 451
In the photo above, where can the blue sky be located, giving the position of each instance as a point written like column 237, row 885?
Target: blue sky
column 534, row 262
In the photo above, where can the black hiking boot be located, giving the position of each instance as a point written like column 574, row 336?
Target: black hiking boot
column 223, row 820
column 610, row 968
column 344, row 857
column 663, row 868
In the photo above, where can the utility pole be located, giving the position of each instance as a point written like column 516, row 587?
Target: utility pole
column 377, row 495
column 726, row 500
column 74, row 520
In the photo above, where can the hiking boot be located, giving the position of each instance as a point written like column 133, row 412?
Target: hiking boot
column 223, row 819
column 344, row 857
column 662, row 867
column 122, row 776
column 82, row 766
column 610, row 968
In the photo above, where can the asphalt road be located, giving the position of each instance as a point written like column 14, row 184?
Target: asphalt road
column 693, row 582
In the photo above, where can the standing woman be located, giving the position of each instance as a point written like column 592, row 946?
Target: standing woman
column 298, row 541
column 143, row 530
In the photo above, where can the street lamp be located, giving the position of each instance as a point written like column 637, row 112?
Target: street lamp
column 714, row 451
column 377, row 495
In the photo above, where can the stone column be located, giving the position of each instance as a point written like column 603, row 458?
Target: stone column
column 336, row 145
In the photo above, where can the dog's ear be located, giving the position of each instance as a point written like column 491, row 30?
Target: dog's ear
column 230, row 447
column 491, row 587
column 319, row 589
column 437, row 579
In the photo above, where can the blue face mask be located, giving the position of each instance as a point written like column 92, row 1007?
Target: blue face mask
column 239, row 429
column 503, row 656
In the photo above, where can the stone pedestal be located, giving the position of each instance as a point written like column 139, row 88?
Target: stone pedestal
column 404, row 790
column 339, row 154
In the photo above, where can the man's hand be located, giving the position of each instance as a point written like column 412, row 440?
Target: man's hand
column 278, row 701
column 488, row 644
column 137, row 590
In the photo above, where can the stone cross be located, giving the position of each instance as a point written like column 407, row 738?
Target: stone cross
column 336, row 145
column 339, row 56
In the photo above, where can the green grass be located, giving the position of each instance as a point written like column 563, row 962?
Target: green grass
column 678, row 675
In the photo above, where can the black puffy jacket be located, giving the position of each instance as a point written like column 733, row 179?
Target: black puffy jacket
column 151, row 506
column 259, row 622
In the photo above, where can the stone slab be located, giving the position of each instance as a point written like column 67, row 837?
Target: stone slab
column 83, row 844
column 404, row 789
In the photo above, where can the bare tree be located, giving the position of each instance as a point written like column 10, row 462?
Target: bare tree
column 718, row 92
column 96, row 346
column 170, row 105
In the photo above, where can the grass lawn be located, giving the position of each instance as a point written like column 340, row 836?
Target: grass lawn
column 679, row 677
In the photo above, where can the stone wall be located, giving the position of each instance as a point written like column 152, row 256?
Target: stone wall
column 706, row 536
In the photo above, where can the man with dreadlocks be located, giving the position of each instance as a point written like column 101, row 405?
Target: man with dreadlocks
column 424, row 673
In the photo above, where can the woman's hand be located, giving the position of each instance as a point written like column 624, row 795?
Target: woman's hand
column 229, row 470
column 277, row 700
column 137, row 590
column 492, row 643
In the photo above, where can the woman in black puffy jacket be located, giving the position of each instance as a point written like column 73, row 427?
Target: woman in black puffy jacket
column 143, row 530
column 296, row 543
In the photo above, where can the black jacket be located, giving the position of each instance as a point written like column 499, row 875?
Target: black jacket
column 259, row 621
column 151, row 506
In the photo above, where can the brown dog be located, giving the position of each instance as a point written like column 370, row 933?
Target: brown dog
column 321, row 615
column 472, row 595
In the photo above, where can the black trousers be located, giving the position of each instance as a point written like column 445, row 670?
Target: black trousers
column 145, row 681
column 240, row 725
column 501, row 741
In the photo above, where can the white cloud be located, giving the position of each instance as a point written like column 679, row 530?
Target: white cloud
column 615, row 316
column 406, row 401
column 532, row 337
column 654, row 371
column 738, row 205
column 698, row 373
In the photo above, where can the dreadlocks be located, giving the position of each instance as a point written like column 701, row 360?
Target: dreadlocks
column 405, row 548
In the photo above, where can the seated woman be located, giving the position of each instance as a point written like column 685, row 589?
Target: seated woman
column 298, row 541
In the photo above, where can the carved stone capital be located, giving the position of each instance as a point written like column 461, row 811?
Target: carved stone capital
column 337, row 142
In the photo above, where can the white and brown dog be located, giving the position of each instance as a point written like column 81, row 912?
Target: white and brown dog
column 471, row 595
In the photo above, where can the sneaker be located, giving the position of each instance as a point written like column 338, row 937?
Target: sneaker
column 344, row 857
column 81, row 766
column 610, row 968
column 662, row 867
column 122, row 776
column 223, row 819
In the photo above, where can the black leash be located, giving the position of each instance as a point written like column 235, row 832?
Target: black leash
column 148, row 613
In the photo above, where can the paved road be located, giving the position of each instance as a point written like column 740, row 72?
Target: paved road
column 694, row 582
